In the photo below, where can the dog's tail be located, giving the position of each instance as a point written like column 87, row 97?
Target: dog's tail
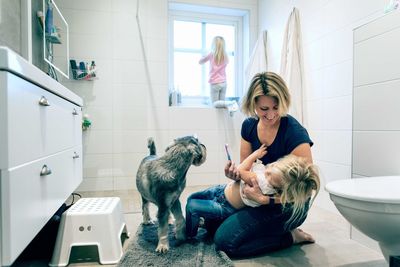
column 152, row 146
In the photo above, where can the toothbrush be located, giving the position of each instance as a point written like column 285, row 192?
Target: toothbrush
column 227, row 152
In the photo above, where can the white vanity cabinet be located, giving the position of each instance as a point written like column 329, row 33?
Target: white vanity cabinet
column 40, row 151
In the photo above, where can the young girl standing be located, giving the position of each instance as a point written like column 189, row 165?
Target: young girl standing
column 218, row 59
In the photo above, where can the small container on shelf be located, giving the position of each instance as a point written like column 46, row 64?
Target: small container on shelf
column 83, row 71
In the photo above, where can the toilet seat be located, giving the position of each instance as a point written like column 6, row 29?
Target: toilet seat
column 382, row 189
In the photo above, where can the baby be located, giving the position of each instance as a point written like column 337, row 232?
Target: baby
column 290, row 180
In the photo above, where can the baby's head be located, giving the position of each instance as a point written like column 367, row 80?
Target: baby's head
column 296, row 179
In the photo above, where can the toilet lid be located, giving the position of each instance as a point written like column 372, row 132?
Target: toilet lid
column 375, row 189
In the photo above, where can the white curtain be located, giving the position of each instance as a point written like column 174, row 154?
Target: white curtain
column 258, row 61
column 292, row 69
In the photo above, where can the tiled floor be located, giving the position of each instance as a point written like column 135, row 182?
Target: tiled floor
column 333, row 247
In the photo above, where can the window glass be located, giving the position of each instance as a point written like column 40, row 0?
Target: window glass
column 187, row 34
column 187, row 70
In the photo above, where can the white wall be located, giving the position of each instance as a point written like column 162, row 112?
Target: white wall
column 126, row 105
column 327, row 31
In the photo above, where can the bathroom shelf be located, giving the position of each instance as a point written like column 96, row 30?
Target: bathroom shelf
column 78, row 74
column 84, row 70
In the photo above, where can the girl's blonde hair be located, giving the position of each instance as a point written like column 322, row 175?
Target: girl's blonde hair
column 218, row 50
column 266, row 84
column 300, row 182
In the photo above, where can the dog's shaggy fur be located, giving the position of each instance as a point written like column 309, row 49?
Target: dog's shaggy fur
column 161, row 180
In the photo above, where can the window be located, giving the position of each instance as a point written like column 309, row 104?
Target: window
column 191, row 35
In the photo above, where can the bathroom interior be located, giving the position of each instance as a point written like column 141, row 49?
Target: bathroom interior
column 128, row 89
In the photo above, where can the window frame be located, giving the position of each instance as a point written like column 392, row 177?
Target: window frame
column 201, row 17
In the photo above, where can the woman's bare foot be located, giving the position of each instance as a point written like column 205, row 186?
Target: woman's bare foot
column 299, row 236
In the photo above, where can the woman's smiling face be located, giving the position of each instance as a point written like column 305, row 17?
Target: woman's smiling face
column 267, row 109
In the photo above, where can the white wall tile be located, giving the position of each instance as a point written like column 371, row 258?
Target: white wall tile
column 193, row 118
column 129, row 119
column 124, row 183
column 157, row 95
column 337, row 147
column 315, row 84
column 338, row 46
column 94, row 22
column 375, row 27
column 128, row 72
column 92, row 5
column 124, row 6
column 133, row 95
column 377, row 59
column 337, row 113
column 97, row 165
column 317, row 149
column 338, row 79
column 97, row 142
column 158, row 117
column 129, row 141
column 86, row 45
column 376, row 153
column 315, row 114
column 126, row 164
column 377, row 111
column 96, row 184
column 101, row 117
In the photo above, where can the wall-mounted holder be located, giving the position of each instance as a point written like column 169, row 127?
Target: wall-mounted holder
column 84, row 71
column 55, row 32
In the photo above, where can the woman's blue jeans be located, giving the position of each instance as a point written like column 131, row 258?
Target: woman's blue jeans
column 210, row 204
column 253, row 231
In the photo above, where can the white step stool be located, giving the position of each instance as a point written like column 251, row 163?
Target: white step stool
column 91, row 221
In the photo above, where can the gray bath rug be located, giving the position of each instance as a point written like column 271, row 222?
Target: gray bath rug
column 198, row 252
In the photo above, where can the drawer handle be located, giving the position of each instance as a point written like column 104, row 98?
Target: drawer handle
column 76, row 156
column 75, row 112
column 45, row 171
column 44, row 102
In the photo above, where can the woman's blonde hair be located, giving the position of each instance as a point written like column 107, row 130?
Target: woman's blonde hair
column 266, row 84
column 218, row 50
column 300, row 182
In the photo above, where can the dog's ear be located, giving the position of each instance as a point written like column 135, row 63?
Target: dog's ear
column 199, row 154
column 195, row 137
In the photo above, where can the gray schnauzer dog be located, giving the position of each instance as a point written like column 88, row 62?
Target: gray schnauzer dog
column 161, row 180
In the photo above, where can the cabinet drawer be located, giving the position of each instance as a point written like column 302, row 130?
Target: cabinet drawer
column 29, row 199
column 36, row 130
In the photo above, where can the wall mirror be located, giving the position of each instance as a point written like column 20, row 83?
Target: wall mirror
column 55, row 40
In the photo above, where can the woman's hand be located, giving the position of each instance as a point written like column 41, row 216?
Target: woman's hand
column 253, row 192
column 231, row 171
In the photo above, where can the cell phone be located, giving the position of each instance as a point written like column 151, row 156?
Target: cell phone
column 227, row 152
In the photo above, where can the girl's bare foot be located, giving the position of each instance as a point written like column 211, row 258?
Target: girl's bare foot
column 299, row 236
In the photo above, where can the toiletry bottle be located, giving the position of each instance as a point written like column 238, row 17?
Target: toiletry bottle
column 93, row 69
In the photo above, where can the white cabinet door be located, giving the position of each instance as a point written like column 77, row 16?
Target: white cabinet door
column 30, row 196
column 39, row 122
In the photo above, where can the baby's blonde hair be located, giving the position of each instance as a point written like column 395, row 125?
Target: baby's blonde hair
column 300, row 182
column 218, row 50
column 266, row 84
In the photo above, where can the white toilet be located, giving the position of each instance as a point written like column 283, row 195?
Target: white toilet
column 372, row 205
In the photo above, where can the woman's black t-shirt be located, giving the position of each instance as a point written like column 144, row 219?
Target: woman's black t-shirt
column 290, row 134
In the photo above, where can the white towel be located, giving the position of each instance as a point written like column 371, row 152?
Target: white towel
column 258, row 61
column 292, row 69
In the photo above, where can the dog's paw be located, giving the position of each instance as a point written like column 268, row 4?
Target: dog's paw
column 162, row 248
